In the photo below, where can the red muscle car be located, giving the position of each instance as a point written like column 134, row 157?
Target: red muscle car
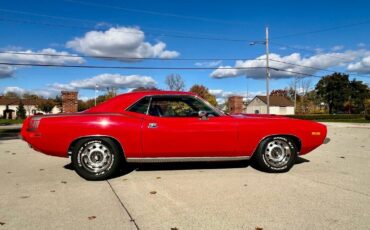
column 164, row 126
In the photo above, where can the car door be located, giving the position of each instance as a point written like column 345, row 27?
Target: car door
column 185, row 134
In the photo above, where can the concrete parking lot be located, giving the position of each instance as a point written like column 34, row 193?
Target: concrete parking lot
column 327, row 189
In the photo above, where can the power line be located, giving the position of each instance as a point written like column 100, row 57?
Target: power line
column 45, row 15
column 319, row 69
column 98, row 22
column 322, row 30
column 155, row 68
column 123, row 58
column 131, row 32
column 174, row 59
column 126, row 67
column 295, row 72
column 148, row 67
column 157, row 13
column 307, row 50
column 159, row 59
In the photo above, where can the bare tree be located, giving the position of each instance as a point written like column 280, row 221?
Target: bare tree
column 175, row 82
column 304, row 85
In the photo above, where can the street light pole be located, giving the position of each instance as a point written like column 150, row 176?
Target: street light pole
column 267, row 71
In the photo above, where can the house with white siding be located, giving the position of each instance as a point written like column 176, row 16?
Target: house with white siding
column 279, row 105
column 8, row 107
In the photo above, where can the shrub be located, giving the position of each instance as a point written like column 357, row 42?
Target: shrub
column 329, row 116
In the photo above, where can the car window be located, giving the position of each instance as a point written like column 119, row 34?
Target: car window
column 141, row 106
column 178, row 106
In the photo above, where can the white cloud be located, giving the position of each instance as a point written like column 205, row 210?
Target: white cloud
column 6, row 71
column 208, row 63
column 362, row 66
column 361, row 45
column 103, row 81
column 46, row 93
column 337, row 48
column 106, row 80
column 14, row 89
column 84, row 98
column 120, row 42
column 254, row 68
column 34, row 57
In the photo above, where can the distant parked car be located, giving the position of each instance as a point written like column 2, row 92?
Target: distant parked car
column 165, row 126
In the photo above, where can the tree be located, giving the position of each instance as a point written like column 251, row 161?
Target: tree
column 334, row 90
column 279, row 92
column 111, row 92
column 145, row 89
column 59, row 102
column 175, row 82
column 203, row 92
column 304, row 85
column 21, row 111
column 358, row 93
column 11, row 95
column 46, row 105
column 83, row 105
column 30, row 96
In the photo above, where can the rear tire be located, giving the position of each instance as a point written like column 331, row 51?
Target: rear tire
column 96, row 158
column 276, row 154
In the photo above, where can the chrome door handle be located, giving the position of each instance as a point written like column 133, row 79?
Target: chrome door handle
column 152, row 125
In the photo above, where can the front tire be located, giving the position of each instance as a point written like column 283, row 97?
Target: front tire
column 276, row 154
column 96, row 158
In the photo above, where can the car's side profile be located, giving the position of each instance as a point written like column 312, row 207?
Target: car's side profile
column 164, row 126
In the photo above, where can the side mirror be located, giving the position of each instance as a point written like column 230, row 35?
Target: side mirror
column 202, row 114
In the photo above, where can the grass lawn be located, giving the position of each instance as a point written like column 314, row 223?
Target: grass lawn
column 346, row 120
column 9, row 131
column 10, row 121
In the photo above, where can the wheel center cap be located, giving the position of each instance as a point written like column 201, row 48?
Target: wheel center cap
column 96, row 157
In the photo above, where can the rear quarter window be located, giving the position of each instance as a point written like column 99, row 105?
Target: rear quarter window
column 141, row 106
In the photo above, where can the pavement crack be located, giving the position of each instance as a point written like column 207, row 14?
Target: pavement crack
column 123, row 205
column 333, row 185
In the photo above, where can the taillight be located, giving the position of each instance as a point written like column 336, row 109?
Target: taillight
column 34, row 123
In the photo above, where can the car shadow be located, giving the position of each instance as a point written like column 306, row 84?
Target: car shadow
column 128, row 168
column 69, row 166
column 190, row 165
column 301, row 160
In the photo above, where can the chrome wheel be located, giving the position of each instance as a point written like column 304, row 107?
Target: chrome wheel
column 96, row 157
column 277, row 153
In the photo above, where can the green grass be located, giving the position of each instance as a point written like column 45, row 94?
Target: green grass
column 346, row 120
column 9, row 131
column 10, row 121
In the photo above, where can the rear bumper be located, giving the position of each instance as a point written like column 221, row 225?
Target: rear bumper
column 41, row 144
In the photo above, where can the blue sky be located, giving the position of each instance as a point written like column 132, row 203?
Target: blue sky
column 41, row 26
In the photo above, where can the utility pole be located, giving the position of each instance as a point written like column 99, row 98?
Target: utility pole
column 267, row 71
column 96, row 89
column 295, row 94
column 266, row 43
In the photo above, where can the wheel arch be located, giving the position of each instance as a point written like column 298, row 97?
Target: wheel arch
column 296, row 140
column 74, row 142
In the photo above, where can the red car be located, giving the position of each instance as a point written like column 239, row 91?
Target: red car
column 165, row 126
